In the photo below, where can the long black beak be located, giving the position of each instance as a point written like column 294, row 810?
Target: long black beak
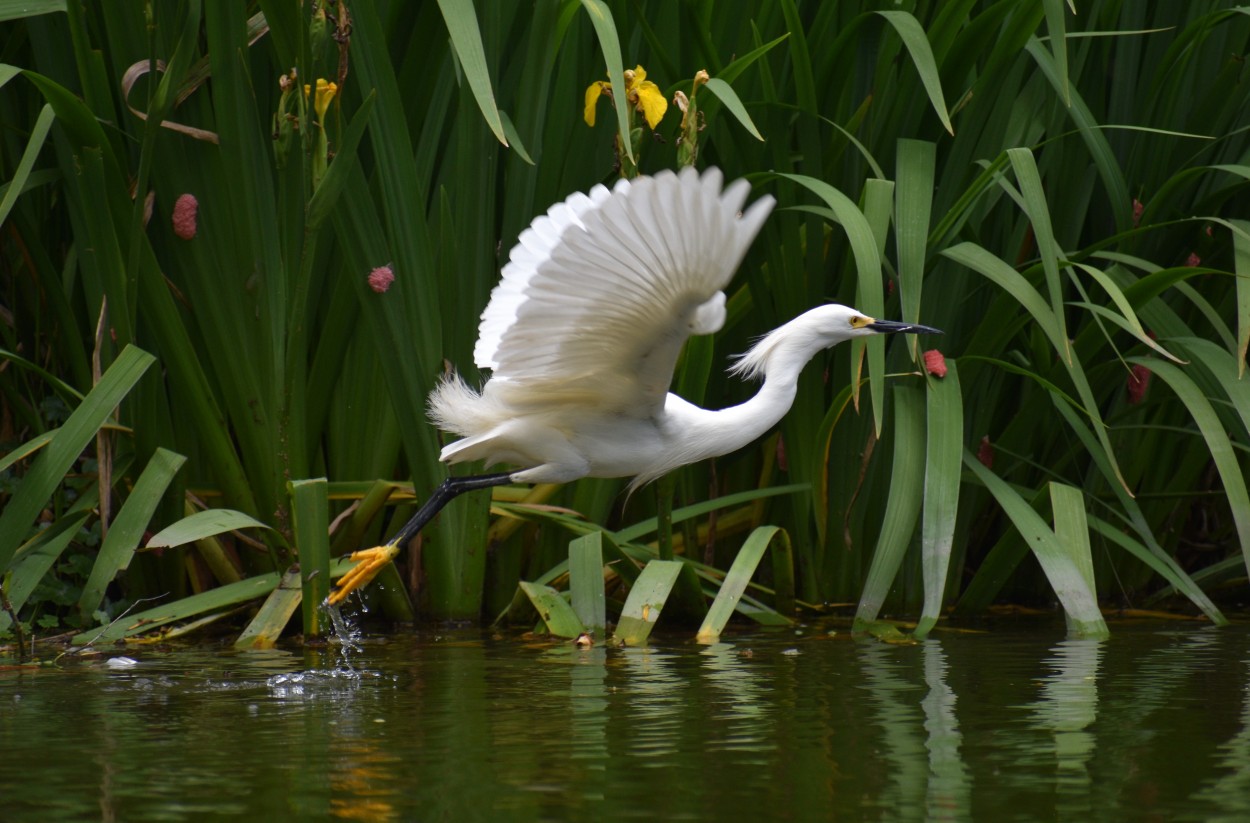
column 895, row 327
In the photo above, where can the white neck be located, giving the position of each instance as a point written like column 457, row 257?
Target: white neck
column 780, row 358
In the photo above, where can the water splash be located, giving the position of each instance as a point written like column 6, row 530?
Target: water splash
column 346, row 636
column 315, row 683
column 341, row 678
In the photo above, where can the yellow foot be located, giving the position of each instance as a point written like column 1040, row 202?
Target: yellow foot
column 368, row 563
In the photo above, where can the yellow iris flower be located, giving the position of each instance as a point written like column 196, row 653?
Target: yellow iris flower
column 325, row 94
column 640, row 92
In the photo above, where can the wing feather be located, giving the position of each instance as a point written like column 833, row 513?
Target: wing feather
column 600, row 293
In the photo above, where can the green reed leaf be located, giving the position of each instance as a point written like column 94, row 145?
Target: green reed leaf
column 1066, row 578
column 917, row 44
column 1132, row 513
column 739, row 576
column 1241, row 265
column 34, row 559
column 844, row 212
column 1179, row 581
column 21, row 174
column 1129, row 316
column 730, row 98
column 646, row 600
column 1124, row 323
column 1223, row 368
column 1220, row 446
column 213, row 601
column 1067, row 507
column 466, row 38
column 609, row 42
column 18, row 9
column 913, row 206
column 553, row 609
column 56, row 458
column 311, row 525
column 514, row 138
column 738, row 65
column 1012, row 282
column 1025, row 167
column 207, row 523
column 1119, row 201
column 264, row 630
column 126, row 530
column 1056, row 27
column 907, row 480
column 586, row 582
column 944, row 423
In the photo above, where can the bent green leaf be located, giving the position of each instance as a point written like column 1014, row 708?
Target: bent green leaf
column 466, row 39
column 740, row 574
column 266, row 627
column 729, row 97
column 645, row 602
column 1218, row 443
column 917, row 43
column 207, row 523
column 1066, row 578
column 556, row 613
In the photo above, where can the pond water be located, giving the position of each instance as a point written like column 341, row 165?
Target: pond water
column 1004, row 724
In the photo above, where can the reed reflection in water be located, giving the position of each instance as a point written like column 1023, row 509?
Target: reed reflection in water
column 777, row 726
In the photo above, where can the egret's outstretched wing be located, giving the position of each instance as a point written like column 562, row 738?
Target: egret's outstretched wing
column 600, row 293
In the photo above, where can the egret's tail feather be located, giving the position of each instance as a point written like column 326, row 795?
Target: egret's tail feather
column 457, row 407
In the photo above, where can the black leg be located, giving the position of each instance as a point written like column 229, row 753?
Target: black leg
column 369, row 562
column 449, row 489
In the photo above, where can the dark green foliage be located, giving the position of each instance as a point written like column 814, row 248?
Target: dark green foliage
column 970, row 165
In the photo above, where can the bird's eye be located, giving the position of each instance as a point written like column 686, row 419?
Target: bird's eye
column 858, row 321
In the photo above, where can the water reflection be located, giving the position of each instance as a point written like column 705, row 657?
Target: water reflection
column 889, row 679
column 915, row 708
column 588, row 704
column 773, row 726
column 1227, row 791
column 743, row 697
column 1066, row 707
column 948, row 796
column 654, row 693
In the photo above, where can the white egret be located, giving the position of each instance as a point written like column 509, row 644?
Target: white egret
column 582, row 334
